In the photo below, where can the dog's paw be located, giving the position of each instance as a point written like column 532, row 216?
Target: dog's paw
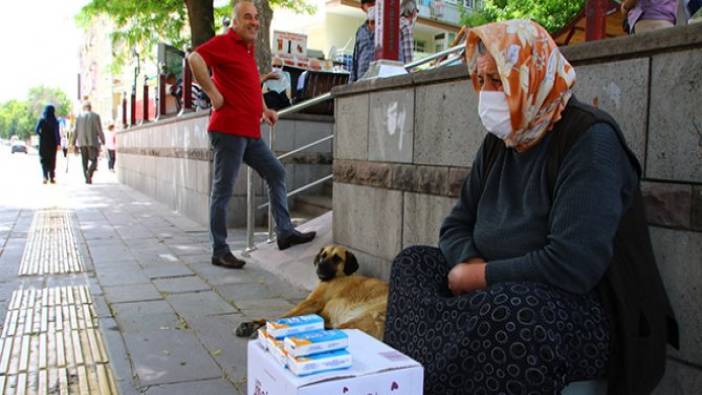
column 248, row 329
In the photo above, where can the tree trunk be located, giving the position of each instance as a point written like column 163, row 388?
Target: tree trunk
column 201, row 19
column 263, row 45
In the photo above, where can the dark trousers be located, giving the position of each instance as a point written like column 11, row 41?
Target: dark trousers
column 229, row 152
column 48, row 164
column 112, row 158
column 90, row 158
column 510, row 338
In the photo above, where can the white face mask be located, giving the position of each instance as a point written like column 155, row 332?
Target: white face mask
column 277, row 68
column 494, row 112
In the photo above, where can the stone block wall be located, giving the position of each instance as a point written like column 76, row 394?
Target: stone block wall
column 404, row 145
column 171, row 161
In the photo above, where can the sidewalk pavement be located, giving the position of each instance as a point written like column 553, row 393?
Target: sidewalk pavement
column 166, row 314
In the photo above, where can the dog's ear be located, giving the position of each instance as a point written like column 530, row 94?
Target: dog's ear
column 316, row 258
column 351, row 264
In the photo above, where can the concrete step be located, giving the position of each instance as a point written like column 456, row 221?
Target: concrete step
column 311, row 206
column 295, row 263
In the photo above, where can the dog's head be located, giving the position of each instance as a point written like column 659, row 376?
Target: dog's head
column 334, row 261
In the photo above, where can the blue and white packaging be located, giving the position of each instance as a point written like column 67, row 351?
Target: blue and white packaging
column 309, row 343
column 283, row 327
column 263, row 338
column 334, row 360
column 279, row 353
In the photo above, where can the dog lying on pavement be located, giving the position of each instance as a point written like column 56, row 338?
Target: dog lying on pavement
column 343, row 300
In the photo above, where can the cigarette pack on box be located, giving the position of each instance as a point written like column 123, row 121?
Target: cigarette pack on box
column 315, row 342
column 303, row 366
column 294, row 325
column 276, row 348
column 263, row 338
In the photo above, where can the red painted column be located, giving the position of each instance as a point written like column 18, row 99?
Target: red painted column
column 145, row 104
column 132, row 108
column 596, row 22
column 124, row 110
column 161, row 96
column 387, row 30
column 187, row 98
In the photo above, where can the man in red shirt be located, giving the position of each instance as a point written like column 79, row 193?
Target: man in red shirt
column 234, row 129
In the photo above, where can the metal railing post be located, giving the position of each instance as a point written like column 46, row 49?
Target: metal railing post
column 250, row 213
column 271, row 238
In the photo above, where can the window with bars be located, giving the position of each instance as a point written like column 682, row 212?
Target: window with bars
column 473, row 4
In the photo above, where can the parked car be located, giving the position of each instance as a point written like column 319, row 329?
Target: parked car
column 19, row 146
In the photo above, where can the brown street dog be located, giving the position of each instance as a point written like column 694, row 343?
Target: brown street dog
column 343, row 300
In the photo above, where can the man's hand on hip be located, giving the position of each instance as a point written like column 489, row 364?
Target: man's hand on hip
column 217, row 100
column 270, row 117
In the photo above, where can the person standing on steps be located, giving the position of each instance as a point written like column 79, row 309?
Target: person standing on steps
column 235, row 129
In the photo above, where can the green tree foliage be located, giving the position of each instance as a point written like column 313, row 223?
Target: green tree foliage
column 551, row 14
column 142, row 24
column 19, row 117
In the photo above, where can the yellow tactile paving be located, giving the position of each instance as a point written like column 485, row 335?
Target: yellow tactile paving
column 51, row 247
column 51, row 344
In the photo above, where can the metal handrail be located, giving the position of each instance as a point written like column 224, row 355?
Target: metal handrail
column 305, row 104
column 301, row 189
column 304, row 147
column 250, row 197
column 431, row 57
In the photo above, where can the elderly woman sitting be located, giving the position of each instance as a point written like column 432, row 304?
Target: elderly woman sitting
column 545, row 273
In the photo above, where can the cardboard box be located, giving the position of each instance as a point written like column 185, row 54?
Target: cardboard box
column 377, row 369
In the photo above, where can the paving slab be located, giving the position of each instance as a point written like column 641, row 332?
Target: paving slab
column 119, row 358
column 181, row 284
column 207, row 387
column 145, row 316
column 270, row 304
column 194, row 306
column 163, row 270
column 172, row 356
column 131, row 293
column 121, row 276
column 235, row 293
column 216, row 275
column 217, row 335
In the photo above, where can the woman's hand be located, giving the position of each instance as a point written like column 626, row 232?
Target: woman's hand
column 467, row 276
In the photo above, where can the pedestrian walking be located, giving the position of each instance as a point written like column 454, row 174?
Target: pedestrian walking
column 111, row 146
column 64, row 145
column 87, row 137
column 408, row 19
column 49, row 140
column 235, row 131
column 364, row 46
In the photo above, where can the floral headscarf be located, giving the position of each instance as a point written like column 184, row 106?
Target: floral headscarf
column 535, row 76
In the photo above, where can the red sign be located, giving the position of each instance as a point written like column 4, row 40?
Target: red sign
column 387, row 29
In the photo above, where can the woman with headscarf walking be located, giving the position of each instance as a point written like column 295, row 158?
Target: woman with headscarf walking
column 49, row 141
column 545, row 273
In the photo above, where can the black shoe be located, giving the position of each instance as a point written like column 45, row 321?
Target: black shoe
column 229, row 261
column 295, row 238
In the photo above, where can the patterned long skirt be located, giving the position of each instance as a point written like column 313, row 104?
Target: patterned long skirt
column 511, row 338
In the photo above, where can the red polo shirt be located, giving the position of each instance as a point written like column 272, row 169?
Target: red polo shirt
column 235, row 75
